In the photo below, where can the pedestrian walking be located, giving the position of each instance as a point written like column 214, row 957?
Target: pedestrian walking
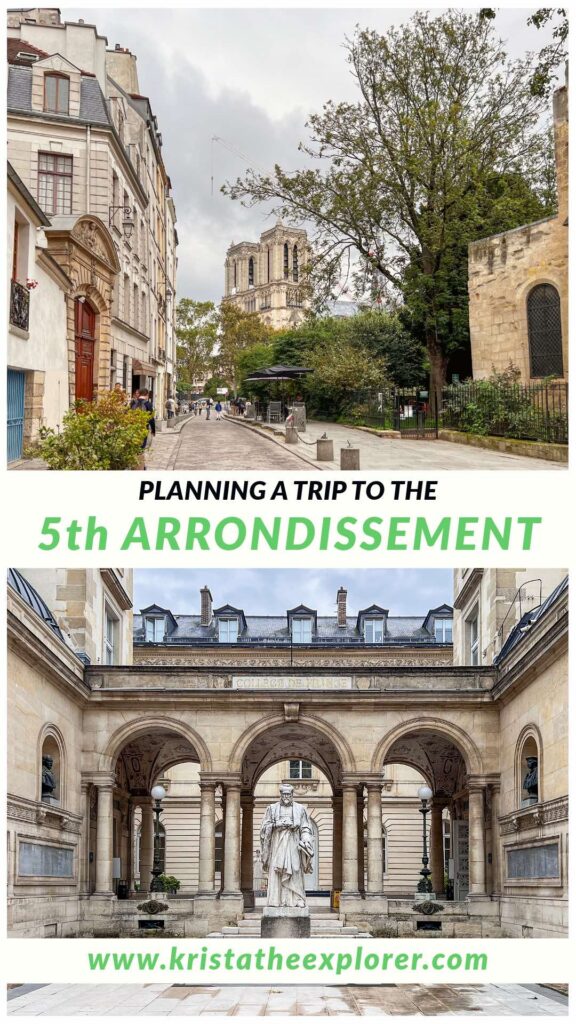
column 218, row 410
column 135, row 399
column 208, row 407
column 144, row 402
column 170, row 407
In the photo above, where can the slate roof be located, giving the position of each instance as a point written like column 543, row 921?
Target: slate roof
column 32, row 598
column 521, row 630
column 92, row 103
column 269, row 629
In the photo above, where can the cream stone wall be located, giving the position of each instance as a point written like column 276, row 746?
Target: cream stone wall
column 504, row 268
column 41, row 351
column 79, row 599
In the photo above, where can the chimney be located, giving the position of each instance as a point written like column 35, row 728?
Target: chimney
column 205, row 606
column 341, row 607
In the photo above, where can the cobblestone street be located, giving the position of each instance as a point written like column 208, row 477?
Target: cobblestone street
column 218, row 445
column 286, row 1000
column 231, row 445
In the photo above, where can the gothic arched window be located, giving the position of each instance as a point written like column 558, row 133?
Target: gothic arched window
column 251, row 271
column 545, row 332
column 295, row 263
column 286, row 260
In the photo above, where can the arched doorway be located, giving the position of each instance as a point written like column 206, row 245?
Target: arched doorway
column 436, row 758
column 123, row 825
column 85, row 346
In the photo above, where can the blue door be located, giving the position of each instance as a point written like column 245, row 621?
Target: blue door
column 15, row 431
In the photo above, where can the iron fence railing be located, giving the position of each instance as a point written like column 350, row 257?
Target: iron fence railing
column 533, row 412
column 19, row 305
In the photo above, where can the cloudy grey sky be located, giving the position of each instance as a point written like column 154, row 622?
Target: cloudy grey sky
column 251, row 77
column 271, row 592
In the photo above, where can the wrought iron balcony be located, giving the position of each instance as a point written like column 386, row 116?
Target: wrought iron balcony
column 19, row 305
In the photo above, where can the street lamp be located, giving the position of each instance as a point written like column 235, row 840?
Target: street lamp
column 157, row 793
column 424, row 889
column 127, row 219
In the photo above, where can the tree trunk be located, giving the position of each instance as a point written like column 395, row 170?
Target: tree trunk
column 438, row 366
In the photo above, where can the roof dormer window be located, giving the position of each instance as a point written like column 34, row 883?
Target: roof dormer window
column 301, row 630
column 443, row 631
column 227, row 631
column 155, row 629
column 56, row 93
column 374, row 631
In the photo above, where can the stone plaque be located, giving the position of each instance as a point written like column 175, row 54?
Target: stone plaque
column 534, row 862
column 292, row 682
column 35, row 860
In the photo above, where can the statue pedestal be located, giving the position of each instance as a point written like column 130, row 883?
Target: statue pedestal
column 285, row 923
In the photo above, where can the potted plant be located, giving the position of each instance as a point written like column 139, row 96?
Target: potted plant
column 169, row 883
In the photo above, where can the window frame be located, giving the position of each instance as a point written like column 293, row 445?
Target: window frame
column 371, row 621
column 154, row 621
column 227, row 621
column 443, row 623
column 58, row 77
column 301, row 765
column 59, row 175
column 535, row 348
column 301, row 620
column 111, row 646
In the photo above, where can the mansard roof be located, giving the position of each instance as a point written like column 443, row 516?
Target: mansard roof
column 266, row 630
column 30, row 595
column 92, row 103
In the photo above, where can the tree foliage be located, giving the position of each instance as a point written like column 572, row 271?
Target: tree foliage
column 196, row 328
column 237, row 331
column 400, row 175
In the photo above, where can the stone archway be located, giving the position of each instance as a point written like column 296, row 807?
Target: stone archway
column 451, row 763
column 137, row 756
column 290, row 741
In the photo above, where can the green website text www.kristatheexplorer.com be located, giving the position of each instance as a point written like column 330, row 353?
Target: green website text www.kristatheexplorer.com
column 271, row 960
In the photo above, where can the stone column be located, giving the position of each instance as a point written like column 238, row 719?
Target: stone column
column 104, row 834
column 84, row 850
column 336, row 843
column 374, row 828
column 146, row 844
column 232, row 845
column 349, row 840
column 247, row 852
column 133, row 841
column 477, row 841
column 496, row 859
column 437, row 847
column 360, row 825
column 223, row 849
column 207, row 838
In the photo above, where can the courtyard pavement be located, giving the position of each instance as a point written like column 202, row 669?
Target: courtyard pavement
column 232, row 444
column 285, row 1000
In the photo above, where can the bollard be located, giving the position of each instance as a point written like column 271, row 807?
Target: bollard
column 291, row 435
column 324, row 449
column 349, row 458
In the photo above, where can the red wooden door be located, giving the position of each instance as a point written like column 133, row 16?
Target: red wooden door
column 85, row 339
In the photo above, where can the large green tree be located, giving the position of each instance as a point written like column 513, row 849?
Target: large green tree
column 440, row 109
column 237, row 331
column 196, row 327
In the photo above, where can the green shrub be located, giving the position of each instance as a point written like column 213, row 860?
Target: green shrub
column 105, row 434
column 169, row 883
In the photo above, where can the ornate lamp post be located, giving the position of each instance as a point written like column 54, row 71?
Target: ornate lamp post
column 127, row 219
column 157, row 793
column 424, row 888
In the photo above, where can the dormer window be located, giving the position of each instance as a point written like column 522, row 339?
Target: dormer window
column 155, row 629
column 374, row 631
column 227, row 631
column 443, row 631
column 301, row 630
column 56, row 94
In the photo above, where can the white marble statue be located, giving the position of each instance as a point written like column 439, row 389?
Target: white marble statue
column 287, row 850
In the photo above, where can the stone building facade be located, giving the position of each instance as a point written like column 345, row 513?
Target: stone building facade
column 268, row 277
column 37, row 300
column 518, row 286
column 88, row 148
column 221, row 704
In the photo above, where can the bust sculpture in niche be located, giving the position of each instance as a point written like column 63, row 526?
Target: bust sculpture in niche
column 48, row 778
column 530, row 784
